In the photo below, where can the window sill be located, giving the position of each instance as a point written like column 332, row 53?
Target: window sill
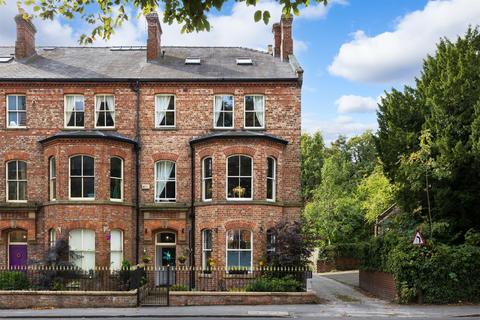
column 223, row 128
column 81, row 199
column 17, row 201
column 73, row 128
column 17, row 128
column 254, row 128
column 106, row 128
column 164, row 129
column 239, row 199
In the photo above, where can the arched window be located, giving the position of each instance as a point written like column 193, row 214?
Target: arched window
column 116, row 249
column 17, row 181
column 116, row 178
column 207, row 179
column 165, row 181
column 239, row 178
column 271, row 239
column 52, row 178
column 82, row 179
column 82, row 248
column 271, row 179
column 239, row 249
column 207, row 247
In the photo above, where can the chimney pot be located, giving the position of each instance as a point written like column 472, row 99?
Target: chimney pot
column 154, row 48
column 25, row 43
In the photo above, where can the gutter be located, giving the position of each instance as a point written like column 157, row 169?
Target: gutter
column 136, row 88
column 146, row 80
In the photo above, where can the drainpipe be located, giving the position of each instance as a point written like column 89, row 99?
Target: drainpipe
column 192, row 216
column 136, row 88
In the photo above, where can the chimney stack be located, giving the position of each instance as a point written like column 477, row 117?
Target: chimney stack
column 25, row 43
column 154, row 48
column 282, row 34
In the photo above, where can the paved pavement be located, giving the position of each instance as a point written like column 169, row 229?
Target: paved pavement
column 341, row 301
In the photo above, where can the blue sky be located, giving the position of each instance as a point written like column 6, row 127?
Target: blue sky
column 352, row 50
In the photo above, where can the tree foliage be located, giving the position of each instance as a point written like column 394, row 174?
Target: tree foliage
column 429, row 135
column 106, row 15
column 313, row 154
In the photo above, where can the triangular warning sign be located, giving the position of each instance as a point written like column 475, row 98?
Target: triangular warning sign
column 418, row 239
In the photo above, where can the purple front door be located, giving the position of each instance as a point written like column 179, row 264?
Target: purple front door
column 17, row 255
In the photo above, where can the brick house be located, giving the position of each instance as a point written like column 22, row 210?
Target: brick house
column 156, row 151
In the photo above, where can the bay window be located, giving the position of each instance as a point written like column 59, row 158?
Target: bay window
column 116, row 178
column 239, row 249
column 271, row 179
column 207, row 179
column 82, row 248
column 165, row 181
column 16, row 181
column 239, row 177
column 116, row 249
column 207, row 247
column 82, row 179
column 254, row 112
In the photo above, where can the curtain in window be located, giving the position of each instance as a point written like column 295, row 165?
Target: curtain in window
column 70, row 108
column 162, row 106
column 110, row 111
column 258, row 107
column 82, row 248
column 164, row 171
column 116, row 249
column 218, row 111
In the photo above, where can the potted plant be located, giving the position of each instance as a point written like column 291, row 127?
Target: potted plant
column 146, row 259
column 182, row 259
column 210, row 265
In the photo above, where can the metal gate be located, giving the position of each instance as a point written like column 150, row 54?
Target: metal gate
column 155, row 296
column 155, row 291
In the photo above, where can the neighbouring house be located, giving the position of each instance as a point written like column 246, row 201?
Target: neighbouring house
column 155, row 152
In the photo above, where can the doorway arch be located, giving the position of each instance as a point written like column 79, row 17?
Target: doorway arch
column 165, row 257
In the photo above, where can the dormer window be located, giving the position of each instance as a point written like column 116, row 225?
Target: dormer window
column 193, row 60
column 244, row 61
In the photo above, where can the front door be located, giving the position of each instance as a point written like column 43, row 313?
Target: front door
column 165, row 258
column 17, row 249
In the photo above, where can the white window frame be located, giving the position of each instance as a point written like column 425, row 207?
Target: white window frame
column 117, row 178
column 204, row 249
column 52, row 237
column 204, row 179
column 233, row 111
column 16, row 111
column 251, row 177
column 157, row 125
column 17, row 181
column 83, row 249
column 116, row 251
column 168, row 180
column 52, row 179
column 81, row 176
column 97, row 112
column 65, row 120
column 237, row 250
column 245, row 111
column 273, row 179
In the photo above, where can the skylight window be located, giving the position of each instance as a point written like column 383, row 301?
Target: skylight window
column 193, row 60
column 5, row 59
column 244, row 61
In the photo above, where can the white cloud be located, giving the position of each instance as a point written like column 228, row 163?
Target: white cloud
column 397, row 55
column 332, row 128
column 49, row 32
column 319, row 11
column 352, row 103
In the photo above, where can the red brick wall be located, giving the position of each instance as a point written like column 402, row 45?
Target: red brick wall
column 194, row 117
column 381, row 284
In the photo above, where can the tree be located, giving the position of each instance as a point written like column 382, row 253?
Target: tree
column 313, row 154
column 375, row 194
column 106, row 15
column 431, row 132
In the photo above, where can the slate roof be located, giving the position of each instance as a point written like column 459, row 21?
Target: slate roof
column 110, row 64
column 237, row 134
column 88, row 134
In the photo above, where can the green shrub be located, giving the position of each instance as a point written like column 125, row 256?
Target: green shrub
column 268, row 284
column 342, row 250
column 178, row 287
column 13, row 280
column 435, row 273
